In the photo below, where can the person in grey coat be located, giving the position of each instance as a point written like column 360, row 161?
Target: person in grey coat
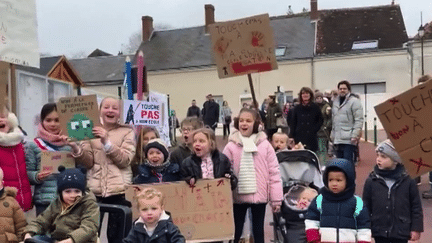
column 347, row 113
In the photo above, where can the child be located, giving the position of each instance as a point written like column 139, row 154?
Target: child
column 154, row 224
column 184, row 150
column 146, row 134
column 12, row 158
column 280, row 141
column 73, row 217
column 306, row 197
column 48, row 139
column 336, row 215
column 156, row 167
column 12, row 221
column 257, row 169
column 206, row 162
column 393, row 199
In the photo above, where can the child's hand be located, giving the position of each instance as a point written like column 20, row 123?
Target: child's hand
column 43, row 175
column 27, row 236
column 68, row 240
column 101, row 133
column 415, row 235
column 192, row 182
column 276, row 208
column 228, row 176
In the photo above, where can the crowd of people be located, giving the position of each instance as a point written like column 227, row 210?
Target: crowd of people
column 66, row 203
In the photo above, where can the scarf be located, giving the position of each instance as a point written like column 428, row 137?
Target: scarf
column 247, row 177
column 391, row 174
column 51, row 138
column 11, row 138
column 157, row 168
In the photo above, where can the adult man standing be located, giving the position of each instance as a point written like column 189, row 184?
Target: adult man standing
column 347, row 121
column 193, row 110
column 210, row 112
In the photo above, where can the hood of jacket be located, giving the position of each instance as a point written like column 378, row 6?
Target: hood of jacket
column 9, row 191
column 235, row 138
column 347, row 168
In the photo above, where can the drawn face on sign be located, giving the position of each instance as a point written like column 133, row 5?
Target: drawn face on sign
column 80, row 127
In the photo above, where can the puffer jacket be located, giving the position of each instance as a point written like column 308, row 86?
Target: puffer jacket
column 45, row 191
column 327, row 120
column 12, row 218
column 146, row 174
column 268, row 178
column 109, row 172
column 273, row 112
column 347, row 119
column 395, row 211
column 79, row 221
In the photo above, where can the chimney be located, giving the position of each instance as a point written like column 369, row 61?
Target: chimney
column 314, row 10
column 209, row 15
column 147, row 27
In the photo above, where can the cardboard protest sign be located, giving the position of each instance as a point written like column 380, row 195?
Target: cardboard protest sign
column 51, row 160
column 243, row 46
column 78, row 115
column 4, row 80
column 203, row 213
column 406, row 119
column 144, row 113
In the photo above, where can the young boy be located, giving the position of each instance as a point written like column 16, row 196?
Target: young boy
column 336, row 215
column 12, row 219
column 280, row 141
column 188, row 125
column 154, row 224
column 393, row 199
column 73, row 217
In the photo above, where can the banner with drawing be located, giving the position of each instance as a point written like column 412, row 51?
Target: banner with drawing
column 51, row 160
column 136, row 112
column 203, row 213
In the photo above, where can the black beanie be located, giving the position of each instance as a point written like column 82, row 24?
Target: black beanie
column 71, row 178
column 158, row 144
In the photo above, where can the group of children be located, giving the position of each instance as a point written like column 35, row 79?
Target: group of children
column 68, row 209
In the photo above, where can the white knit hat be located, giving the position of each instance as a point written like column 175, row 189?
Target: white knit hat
column 388, row 149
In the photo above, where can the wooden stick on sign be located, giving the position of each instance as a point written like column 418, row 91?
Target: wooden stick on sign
column 255, row 102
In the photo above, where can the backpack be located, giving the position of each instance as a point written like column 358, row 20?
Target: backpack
column 358, row 208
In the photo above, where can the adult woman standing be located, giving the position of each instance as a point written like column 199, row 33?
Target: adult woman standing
column 306, row 120
column 226, row 118
column 108, row 160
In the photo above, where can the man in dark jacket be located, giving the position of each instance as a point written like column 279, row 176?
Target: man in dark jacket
column 193, row 110
column 210, row 112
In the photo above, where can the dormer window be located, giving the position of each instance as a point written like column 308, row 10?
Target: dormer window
column 362, row 45
column 280, row 51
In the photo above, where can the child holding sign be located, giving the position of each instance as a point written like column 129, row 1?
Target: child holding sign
column 206, row 162
column 392, row 199
column 48, row 139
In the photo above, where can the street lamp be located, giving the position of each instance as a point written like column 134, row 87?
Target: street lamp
column 421, row 32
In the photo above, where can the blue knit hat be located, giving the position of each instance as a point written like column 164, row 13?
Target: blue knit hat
column 71, row 178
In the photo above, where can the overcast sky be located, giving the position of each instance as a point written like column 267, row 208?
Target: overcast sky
column 68, row 27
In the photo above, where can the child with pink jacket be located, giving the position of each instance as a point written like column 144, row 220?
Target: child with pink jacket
column 257, row 169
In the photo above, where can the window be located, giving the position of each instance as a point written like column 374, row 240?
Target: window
column 280, row 51
column 371, row 88
column 361, row 45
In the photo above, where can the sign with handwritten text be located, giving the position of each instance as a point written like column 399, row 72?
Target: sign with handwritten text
column 406, row 119
column 18, row 32
column 136, row 112
column 243, row 46
column 51, row 160
column 203, row 213
column 78, row 116
column 4, row 79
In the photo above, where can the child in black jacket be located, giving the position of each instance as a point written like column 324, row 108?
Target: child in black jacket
column 393, row 199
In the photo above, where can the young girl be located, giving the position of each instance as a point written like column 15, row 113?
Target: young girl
column 108, row 160
column 206, row 162
column 146, row 134
column 12, row 158
column 257, row 169
column 48, row 139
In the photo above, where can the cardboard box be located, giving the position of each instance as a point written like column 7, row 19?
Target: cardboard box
column 243, row 46
column 203, row 213
column 406, row 119
column 78, row 116
column 51, row 160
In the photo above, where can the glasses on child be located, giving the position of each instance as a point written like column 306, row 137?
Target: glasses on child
column 186, row 129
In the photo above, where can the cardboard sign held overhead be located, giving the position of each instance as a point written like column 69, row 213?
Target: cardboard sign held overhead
column 78, row 116
column 203, row 213
column 51, row 160
column 243, row 46
column 406, row 119
column 4, row 80
column 136, row 112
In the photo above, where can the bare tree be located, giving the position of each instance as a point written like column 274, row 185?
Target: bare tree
column 136, row 38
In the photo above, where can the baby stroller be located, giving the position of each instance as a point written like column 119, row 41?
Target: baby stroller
column 300, row 171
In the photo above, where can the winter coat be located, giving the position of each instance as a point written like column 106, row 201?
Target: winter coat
column 45, row 191
column 347, row 119
column 191, row 168
column 180, row 153
column 394, row 212
column 326, row 127
column 12, row 218
column 273, row 112
column 79, row 221
column 306, row 122
column 193, row 111
column 146, row 175
column 109, row 172
column 210, row 113
column 226, row 112
column 165, row 232
column 336, row 221
column 268, row 178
